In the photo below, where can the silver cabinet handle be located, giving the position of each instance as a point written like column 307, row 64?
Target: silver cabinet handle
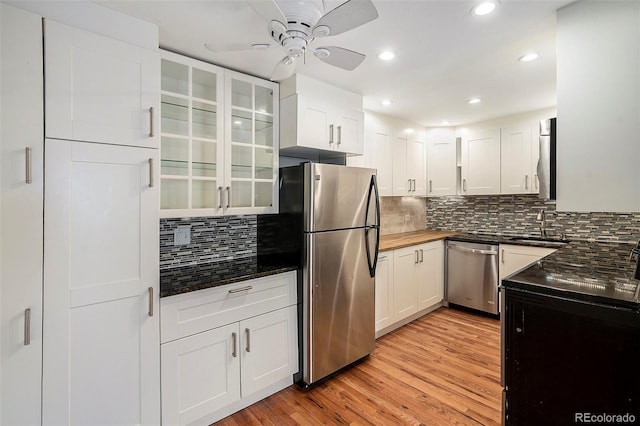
column 475, row 251
column 464, row 185
column 151, row 183
column 421, row 255
column 502, row 260
column 409, row 185
column 228, row 196
column 151, row 122
column 526, row 181
column 27, row 326
column 234, row 345
column 382, row 257
column 414, row 185
column 27, row 165
column 238, row 290
column 339, row 135
column 248, row 333
column 430, row 186
column 219, row 197
column 535, row 180
column 416, row 260
column 330, row 134
column 150, row 290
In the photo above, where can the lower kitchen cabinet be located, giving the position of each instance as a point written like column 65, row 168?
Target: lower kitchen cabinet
column 409, row 281
column 514, row 257
column 245, row 347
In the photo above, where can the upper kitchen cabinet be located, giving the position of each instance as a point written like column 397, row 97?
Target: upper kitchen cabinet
column 219, row 134
column 317, row 116
column 409, row 164
column 518, row 173
column 441, row 162
column 99, row 89
column 379, row 152
column 481, row 163
column 598, row 128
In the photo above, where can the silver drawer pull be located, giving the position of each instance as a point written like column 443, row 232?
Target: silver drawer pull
column 248, row 332
column 150, row 291
column 330, row 134
column 220, row 197
column 234, row 345
column 228, row 196
column 474, row 251
column 238, row 290
column 27, row 326
column 28, row 169
column 421, row 255
column 339, row 135
column 151, row 183
column 151, row 122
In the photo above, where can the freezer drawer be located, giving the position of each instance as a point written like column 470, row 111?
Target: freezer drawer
column 472, row 275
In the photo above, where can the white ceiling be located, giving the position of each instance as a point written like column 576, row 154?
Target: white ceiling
column 444, row 54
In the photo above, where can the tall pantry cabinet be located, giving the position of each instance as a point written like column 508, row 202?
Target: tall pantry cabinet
column 21, row 184
column 79, row 289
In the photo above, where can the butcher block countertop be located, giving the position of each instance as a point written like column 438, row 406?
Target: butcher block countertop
column 406, row 239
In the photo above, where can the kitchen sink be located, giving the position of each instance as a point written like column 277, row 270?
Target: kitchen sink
column 547, row 242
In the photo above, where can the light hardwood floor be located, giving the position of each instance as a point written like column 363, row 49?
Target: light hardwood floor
column 441, row 369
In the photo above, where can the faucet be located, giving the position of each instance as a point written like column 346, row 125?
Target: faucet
column 543, row 223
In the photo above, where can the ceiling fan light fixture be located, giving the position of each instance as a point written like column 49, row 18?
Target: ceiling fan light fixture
column 288, row 60
column 321, row 31
column 387, row 55
column 529, row 57
column 484, row 7
column 322, row 53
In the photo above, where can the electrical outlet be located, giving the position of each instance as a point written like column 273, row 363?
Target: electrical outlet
column 182, row 235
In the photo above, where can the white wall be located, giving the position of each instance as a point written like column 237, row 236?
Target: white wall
column 507, row 121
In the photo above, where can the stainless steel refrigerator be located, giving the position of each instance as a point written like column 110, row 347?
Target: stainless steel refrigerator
column 337, row 214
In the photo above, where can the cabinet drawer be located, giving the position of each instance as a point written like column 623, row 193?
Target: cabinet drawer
column 187, row 314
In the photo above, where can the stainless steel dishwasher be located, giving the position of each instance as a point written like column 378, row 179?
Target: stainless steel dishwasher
column 472, row 275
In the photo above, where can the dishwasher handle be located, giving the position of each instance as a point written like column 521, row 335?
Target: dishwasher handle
column 474, row 251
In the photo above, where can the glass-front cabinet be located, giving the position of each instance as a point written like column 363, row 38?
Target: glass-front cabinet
column 219, row 144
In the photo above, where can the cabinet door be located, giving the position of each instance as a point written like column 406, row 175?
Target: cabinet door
column 441, row 168
column 21, row 216
column 269, row 348
column 251, row 145
column 200, row 375
column 349, row 128
column 381, row 158
column 481, row 163
column 101, row 328
column 405, row 284
column 401, row 179
column 535, row 156
column 514, row 258
column 99, row 89
column 516, row 176
column 384, row 291
column 416, row 164
column 431, row 274
column 314, row 121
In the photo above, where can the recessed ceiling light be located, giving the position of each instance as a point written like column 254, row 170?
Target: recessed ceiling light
column 445, row 123
column 529, row 57
column 408, row 131
column 260, row 46
column 387, row 55
column 474, row 101
column 386, row 102
column 484, row 7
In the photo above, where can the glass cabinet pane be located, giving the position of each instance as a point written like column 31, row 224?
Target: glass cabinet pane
column 241, row 94
column 204, row 85
column 264, row 99
column 240, row 194
column 264, row 194
column 241, row 162
column 204, row 158
column 242, row 126
column 173, row 194
column 174, row 115
column 204, row 124
column 175, row 77
column 264, row 129
column 264, row 163
column 174, row 158
column 204, row 194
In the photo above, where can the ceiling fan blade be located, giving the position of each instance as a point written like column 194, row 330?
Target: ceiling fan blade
column 268, row 10
column 348, row 15
column 341, row 57
column 283, row 69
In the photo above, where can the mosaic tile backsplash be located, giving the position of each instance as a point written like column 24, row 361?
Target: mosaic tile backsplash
column 213, row 239
column 516, row 215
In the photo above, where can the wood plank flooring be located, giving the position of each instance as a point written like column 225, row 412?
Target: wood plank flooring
column 441, row 369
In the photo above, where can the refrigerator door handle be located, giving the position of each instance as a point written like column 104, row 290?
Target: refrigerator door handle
column 373, row 191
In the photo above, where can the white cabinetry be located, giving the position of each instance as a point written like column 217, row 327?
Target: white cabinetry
column 219, row 143
column 409, row 282
column 441, row 165
column 317, row 116
column 481, row 163
column 227, row 347
column 101, row 328
column 99, row 89
column 514, row 257
column 21, row 186
column 409, row 164
column 518, row 174
column 380, row 153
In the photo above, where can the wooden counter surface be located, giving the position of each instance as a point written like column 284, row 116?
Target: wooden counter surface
column 406, row 239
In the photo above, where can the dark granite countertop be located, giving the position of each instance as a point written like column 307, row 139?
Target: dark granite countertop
column 198, row 277
column 598, row 272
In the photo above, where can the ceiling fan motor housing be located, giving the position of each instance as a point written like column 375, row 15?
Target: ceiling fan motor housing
column 297, row 32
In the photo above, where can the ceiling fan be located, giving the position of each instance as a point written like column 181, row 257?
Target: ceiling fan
column 295, row 24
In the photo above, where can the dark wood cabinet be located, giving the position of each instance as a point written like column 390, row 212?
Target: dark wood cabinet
column 567, row 358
